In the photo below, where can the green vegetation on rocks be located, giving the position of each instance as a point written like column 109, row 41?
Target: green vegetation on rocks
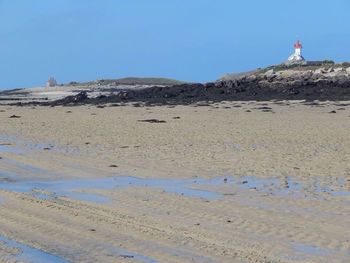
column 130, row 81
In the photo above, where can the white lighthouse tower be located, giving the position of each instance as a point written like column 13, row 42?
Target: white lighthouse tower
column 297, row 57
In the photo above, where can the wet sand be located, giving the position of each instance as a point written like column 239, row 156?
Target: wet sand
column 228, row 182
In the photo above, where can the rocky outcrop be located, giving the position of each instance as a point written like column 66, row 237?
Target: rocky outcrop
column 331, row 83
column 321, row 83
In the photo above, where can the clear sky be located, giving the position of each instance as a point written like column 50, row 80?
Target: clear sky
column 194, row 40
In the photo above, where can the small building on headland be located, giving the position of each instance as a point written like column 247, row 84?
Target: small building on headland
column 51, row 83
column 297, row 57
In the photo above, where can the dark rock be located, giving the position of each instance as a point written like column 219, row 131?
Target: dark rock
column 5, row 144
column 152, row 121
column 264, row 108
column 300, row 85
column 126, row 256
column 78, row 99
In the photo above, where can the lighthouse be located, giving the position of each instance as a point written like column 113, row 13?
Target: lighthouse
column 297, row 57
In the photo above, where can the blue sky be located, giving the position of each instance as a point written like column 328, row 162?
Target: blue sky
column 194, row 40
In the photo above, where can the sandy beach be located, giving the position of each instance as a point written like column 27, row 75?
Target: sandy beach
column 225, row 182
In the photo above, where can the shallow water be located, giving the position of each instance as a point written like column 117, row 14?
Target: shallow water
column 122, row 253
column 8, row 148
column 312, row 250
column 29, row 254
column 78, row 189
column 18, row 167
column 6, row 145
column 26, row 253
column 285, row 186
column 22, row 146
column 340, row 188
column 276, row 186
column 75, row 188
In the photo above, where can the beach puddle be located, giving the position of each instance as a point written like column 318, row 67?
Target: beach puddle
column 6, row 145
column 124, row 254
column 312, row 250
column 12, row 144
column 9, row 148
column 13, row 171
column 7, row 177
column 20, row 252
column 287, row 186
column 307, row 252
column 81, row 189
column 275, row 186
column 23, row 253
column 341, row 188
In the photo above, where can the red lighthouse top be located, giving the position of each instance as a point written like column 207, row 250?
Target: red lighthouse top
column 298, row 45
